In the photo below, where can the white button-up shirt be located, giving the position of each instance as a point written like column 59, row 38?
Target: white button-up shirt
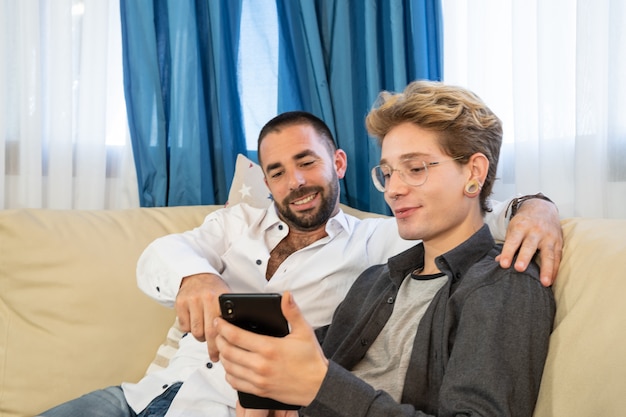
column 235, row 243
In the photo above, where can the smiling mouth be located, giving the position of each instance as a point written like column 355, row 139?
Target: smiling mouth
column 304, row 200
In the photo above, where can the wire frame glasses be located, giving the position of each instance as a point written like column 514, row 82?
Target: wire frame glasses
column 413, row 172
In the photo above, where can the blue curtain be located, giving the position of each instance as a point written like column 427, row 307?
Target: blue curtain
column 337, row 55
column 183, row 106
column 180, row 74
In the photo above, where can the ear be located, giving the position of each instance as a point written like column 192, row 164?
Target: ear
column 341, row 163
column 478, row 166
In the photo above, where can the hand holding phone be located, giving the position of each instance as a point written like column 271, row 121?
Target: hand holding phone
column 259, row 313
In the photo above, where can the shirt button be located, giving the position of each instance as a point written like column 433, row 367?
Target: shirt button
column 259, row 262
column 209, row 365
column 390, row 300
column 280, row 227
column 158, row 289
column 164, row 386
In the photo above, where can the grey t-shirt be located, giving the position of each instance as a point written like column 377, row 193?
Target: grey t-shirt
column 385, row 363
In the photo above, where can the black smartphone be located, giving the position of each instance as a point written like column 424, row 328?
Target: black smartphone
column 259, row 313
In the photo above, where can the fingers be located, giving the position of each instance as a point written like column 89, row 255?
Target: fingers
column 197, row 307
column 238, row 354
column 299, row 326
column 550, row 255
column 247, row 412
column 193, row 307
column 548, row 249
column 189, row 312
column 286, row 413
column 520, row 240
column 240, row 411
column 211, row 311
column 234, row 343
column 535, row 228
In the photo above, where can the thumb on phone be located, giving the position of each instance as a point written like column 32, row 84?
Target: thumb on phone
column 291, row 311
column 303, row 361
column 297, row 323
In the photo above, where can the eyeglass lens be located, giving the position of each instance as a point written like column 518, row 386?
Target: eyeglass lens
column 412, row 172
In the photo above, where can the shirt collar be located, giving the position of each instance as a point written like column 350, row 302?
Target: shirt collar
column 335, row 225
column 454, row 263
column 457, row 261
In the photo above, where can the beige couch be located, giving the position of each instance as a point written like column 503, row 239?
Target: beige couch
column 72, row 319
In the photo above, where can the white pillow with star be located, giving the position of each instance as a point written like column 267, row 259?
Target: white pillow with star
column 248, row 185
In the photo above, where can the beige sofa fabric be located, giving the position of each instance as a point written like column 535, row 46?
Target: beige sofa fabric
column 72, row 319
column 71, row 316
column 585, row 373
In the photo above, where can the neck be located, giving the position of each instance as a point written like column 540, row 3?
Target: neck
column 301, row 238
column 445, row 242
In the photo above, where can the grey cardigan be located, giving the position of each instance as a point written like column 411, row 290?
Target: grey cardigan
column 479, row 350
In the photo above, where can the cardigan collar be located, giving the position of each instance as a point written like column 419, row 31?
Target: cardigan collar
column 453, row 263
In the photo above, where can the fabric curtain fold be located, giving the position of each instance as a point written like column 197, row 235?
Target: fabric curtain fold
column 181, row 90
column 336, row 56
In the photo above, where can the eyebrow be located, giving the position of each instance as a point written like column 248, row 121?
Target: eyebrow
column 407, row 156
column 296, row 157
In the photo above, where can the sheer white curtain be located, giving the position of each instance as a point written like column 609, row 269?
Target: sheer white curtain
column 554, row 73
column 64, row 139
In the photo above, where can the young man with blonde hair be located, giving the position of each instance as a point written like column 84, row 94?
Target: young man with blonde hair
column 440, row 329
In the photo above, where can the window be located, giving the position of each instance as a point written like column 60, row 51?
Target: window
column 258, row 67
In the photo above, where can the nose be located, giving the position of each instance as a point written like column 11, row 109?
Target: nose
column 296, row 179
column 395, row 186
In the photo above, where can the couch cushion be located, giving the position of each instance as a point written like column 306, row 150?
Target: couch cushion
column 248, row 185
column 585, row 372
column 71, row 317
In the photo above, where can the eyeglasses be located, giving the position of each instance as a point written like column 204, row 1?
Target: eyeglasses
column 413, row 172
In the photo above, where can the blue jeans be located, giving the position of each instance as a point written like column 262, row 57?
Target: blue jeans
column 110, row 402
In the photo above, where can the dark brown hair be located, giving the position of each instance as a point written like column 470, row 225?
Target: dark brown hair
column 293, row 118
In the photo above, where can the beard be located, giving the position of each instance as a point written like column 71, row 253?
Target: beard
column 312, row 219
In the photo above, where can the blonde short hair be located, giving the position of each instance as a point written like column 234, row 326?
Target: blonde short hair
column 464, row 122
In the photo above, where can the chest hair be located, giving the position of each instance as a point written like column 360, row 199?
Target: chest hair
column 286, row 247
